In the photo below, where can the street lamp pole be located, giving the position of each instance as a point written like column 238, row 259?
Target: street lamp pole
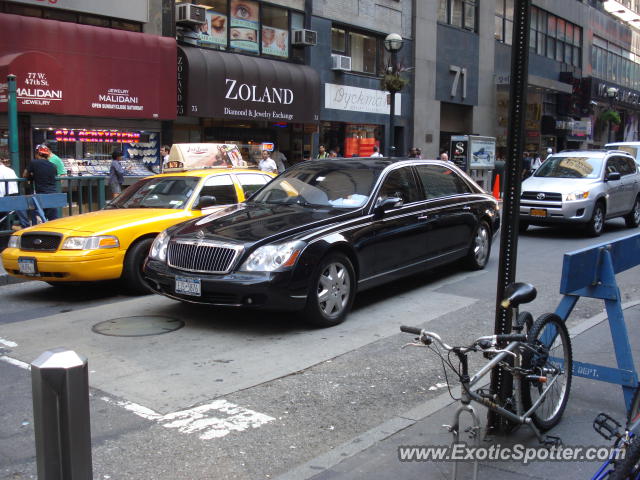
column 611, row 95
column 392, row 43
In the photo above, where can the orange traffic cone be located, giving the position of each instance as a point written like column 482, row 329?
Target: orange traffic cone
column 496, row 187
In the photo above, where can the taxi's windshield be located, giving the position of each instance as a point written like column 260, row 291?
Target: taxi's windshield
column 319, row 183
column 570, row 167
column 157, row 192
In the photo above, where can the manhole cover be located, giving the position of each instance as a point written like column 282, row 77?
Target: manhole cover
column 137, row 326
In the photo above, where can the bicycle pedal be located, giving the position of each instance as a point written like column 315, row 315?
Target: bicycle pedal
column 606, row 426
column 450, row 428
column 552, row 441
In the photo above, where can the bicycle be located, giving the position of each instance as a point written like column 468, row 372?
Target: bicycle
column 540, row 363
column 624, row 461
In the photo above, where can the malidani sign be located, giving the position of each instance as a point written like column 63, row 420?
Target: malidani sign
column 73, row 76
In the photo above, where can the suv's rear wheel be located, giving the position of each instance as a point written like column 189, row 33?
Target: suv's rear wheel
column 632, row 219
column 596, row 224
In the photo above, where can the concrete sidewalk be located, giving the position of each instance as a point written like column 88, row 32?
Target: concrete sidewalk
column 591, row 343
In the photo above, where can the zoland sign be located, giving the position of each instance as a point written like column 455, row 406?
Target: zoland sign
column 221, row 85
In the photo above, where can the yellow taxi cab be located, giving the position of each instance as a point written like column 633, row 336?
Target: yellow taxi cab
column 112, row 244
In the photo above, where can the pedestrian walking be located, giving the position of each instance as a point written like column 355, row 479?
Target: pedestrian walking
column 116, row 173
column 42, row 174
column 376, row 152
column 322, row 152
column 418, row 153
column 444, row 156
column 549, row 153
column 526, row 165
column 267, row 164
column 413, row 152
column 280, row 159
column 535, row 164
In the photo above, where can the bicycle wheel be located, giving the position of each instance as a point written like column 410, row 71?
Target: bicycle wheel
column 552, row 359
column 629, row 468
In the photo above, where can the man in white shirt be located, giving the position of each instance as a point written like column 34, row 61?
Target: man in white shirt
column 267, row 164
column 376, row 152
column 6, row 173
column 6, row 188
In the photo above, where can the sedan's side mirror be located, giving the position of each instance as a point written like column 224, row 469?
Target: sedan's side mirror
column 206, row 201
column 612, row 176
column 384, row 204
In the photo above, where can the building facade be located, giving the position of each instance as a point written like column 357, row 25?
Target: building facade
column 91, row 77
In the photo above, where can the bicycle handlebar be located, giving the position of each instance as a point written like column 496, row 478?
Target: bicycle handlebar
column 483, row 342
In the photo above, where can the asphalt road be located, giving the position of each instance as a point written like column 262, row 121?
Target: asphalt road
column 236, row 394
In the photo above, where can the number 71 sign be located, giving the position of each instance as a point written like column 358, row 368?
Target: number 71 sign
column 459, row 72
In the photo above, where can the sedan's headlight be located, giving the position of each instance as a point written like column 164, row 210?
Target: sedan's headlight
column 159, row 247
column 570, row 197
column 91, row 243
column 272, row 257
column 14, row 241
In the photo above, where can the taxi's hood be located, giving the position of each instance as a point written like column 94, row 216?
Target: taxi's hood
column 105, row 222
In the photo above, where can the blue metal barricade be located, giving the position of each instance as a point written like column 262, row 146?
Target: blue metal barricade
column 591, row 272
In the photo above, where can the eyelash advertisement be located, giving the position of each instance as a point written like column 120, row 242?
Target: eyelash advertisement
column 244, row 31
column 214, row 31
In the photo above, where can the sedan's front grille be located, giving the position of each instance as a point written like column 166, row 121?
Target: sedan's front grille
column 202, row 257
column 46, row 242
column 542, row 196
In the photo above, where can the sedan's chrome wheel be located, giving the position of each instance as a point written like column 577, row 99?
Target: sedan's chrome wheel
column 334, row 289
column 481, row 245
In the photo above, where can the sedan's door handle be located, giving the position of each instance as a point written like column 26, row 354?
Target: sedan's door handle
column 466, row 207
column 423, row 217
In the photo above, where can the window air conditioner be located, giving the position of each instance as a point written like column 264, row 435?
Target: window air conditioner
column 189, row 14
column 305, row 37
column 340, row 62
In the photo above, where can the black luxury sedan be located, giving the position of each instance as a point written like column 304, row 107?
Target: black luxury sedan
column 323, row 230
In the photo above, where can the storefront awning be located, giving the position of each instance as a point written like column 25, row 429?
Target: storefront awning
column 72, row 69
column 231, row 86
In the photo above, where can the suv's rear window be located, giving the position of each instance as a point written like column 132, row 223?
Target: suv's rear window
column 570, row 167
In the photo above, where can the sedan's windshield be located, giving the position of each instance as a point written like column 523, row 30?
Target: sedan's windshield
column 157, row 192
column 333, row 184
column 570, row 167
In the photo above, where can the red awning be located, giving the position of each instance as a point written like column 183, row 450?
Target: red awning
column 71, row 69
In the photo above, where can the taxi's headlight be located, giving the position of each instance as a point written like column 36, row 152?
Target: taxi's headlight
column 159, row 246
column 272, row 257
column 570, row 197
column 14, row 241
column 91, row 243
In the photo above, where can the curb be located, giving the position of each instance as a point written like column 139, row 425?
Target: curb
column 403, row 420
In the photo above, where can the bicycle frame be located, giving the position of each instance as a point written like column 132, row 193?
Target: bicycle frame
column 467, row 395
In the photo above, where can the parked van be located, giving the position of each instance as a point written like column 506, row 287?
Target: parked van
column 632, row 148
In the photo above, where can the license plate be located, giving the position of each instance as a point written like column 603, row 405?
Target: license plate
column 538, row 212
column 188, row 286
column 27, row 266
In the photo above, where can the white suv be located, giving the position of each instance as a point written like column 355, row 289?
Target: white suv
column 582, row 186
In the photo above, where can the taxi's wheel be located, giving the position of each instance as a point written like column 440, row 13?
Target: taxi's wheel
column 332, row 290
column 132, row 270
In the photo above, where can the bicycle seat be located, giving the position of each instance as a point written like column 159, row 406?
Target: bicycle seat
column 518, row 293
